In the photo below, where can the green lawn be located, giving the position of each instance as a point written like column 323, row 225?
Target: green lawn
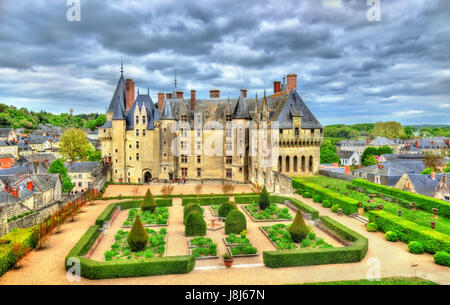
column 383, row 281
column 420, row 217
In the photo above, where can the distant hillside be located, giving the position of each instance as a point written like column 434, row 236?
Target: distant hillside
column 10, row 116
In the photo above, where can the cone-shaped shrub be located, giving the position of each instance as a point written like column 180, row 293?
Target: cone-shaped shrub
column 298, row 229
column 191, row 207
column 235, row 222
column 225, row 208
column 149, row 203
column 264, row 200
column 195, row 225
column 138, row 237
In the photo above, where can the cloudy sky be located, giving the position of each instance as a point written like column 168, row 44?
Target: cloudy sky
column 350, row 69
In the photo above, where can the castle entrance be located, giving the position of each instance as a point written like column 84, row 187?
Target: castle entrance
column 147, row 177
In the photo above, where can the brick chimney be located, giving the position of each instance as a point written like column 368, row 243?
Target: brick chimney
column 276, row 86
column 244, row 93
column 193, row 98
column 130, row 95
column 367, row 141
column 380, row 166
column 433, row 175
column 168, row 96
column 7, row 188
column 291, row 82
column 180, row 95
column 36, row 166
column 417, row 144
column 214, row 93
column 347, row 169
column 160, row 100
column 14, row 191
column 30, row 185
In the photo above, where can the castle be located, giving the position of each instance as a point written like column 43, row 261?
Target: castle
column 214, row 139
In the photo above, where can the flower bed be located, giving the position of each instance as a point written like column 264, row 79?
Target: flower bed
column 234, row 240
column 200, row 242
column 243, row 250
column 280, row 237
column 121, row 250
column 158, row 218
column 202, row 248
column 273, row 212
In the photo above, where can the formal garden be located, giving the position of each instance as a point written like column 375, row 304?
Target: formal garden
column 420, row 221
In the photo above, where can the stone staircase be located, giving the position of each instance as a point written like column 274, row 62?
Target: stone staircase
column 363, row 219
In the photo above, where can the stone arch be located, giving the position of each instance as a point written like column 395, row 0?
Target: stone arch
column 287, row 164
column 295, row 164
column 303, row 164
column 280, row 164
column 147, row 176
column 310, row 164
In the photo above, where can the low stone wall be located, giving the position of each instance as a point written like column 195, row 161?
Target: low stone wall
column 282, row 183
column 336, row 175
column 24, row 222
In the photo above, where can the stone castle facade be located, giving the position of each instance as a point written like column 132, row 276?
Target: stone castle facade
column 227, row 140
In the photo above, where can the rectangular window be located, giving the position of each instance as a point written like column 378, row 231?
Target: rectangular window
column 229, row 173
column 229, row 146
column 183, row 145
column 296, row 131
column 199, row 172
column 312, row 132
column 137, row 144
column 184, row 159
column 137, row 132
column 228, row 132
column 228, row 117
column 143, row 119
column 281, row 131
column 199, row 159
column 229, row 160
column 137, row 156
column 199, row 145
column 184, row 172
column 184, row 118
column 143, row 132
column 137, row 119
column 199, row 133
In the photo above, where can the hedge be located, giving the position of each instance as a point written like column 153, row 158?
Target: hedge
column 18, row 235
column 348, row 205
column 246, row 199
column 423, row 202
column 206, row 200
column 106, row 214
column 302, row 206
column 408, row 231
column 320, row 256
column 125, row 268
column 176, row 196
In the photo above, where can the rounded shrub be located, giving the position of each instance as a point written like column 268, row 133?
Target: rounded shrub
column 137, row 238
column 307, row 195
column 442, row 258
column 312, row 235
column 317, row 198
column 191, row 207
column 335, row 208
column 148, row 203
column 235, row 222
column 415, row 247
column 298, row 229
column 225, row 208
column 195, row 225
column 371, row 227
column 391, row 236
column 264, row 200
column 326, row 203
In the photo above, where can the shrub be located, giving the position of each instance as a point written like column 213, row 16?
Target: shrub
column 235, row 222
column 391, row 236
column 307, row 195
column 312, row 235
column 295, row 202
column 335, row 208
column 326, row 203
column 148, row 203
column 225, row 208
column 191, row 207
column 298, row 229
column 371, row 227
column 247, row 199
column 415, row 247
column 317, row 198
column 217, row 199
column 442, row 258
column 195, row 225
column 264, row 200
column 138, row 237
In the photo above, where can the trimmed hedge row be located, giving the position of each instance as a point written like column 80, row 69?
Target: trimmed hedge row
column 348, row 205
column 175, row 196
column 407, row 231
column 320, row 256
column 126, row 268
column 302, row 206
column 205, row 200
column 246, row 199
column 18, row 235
column 106, row 214
column 423, row 202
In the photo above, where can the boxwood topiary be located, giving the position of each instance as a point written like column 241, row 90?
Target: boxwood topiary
column 264, row 200
column 415, row 247
column 442, row 258
column 138, row 237
column 371, row 227
column 225, row 208
column 307, row 195
column 148, row 203
column 195, row 225
column 335, row 208
column 235, row 222
column 391, row 236
column 326, row 203
column 298, row 229
column 191, row 207
column 317, row 198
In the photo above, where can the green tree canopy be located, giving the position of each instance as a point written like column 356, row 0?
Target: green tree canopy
column 74, row 144
column 388, row 130
column 328, row 152
column 58, row 167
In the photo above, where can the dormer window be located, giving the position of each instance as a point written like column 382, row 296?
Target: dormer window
column 312, row 132
column 184, row 118
column 137, row 132
column 297, row 131
column 143, row 119
column 137, row 119
column 228, row 117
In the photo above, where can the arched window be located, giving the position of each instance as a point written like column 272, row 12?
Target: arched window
column 280, row 165
column 295, row 163
column 303, row 164
column 310, row 163
column 287, row 163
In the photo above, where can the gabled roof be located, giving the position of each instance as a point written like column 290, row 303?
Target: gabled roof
column 345, row 154
column 143, row 101
column 167, row 111
column 240, row 110
column 82, row 167
column 424, row 184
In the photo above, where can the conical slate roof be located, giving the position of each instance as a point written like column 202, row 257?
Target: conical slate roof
column 118, row 101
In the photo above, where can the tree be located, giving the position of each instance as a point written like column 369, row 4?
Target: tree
column 328, row 152
column 93, row 154
column 74, row 144
column 433, row 161
column 427, row 171
column 195, row 225
column 148, row 203
column 235, row 222
column 298, row 229
column 384, row 150
column 369, row 151
column 388, row 130
column 264, row 200
column 58, row 167
column 137, row 238
column 370, row 160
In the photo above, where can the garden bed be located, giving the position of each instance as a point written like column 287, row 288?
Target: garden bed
column 156, row 246
column 243, row 250
column 202, row 248
column 270, row 214
column 157, row 219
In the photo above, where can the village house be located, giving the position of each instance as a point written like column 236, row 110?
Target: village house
column 8, row 147
column 433, row 185
column 6, row 161
column 352, row 145
column 8, row 134
column 348, row 157
column 82, row 175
